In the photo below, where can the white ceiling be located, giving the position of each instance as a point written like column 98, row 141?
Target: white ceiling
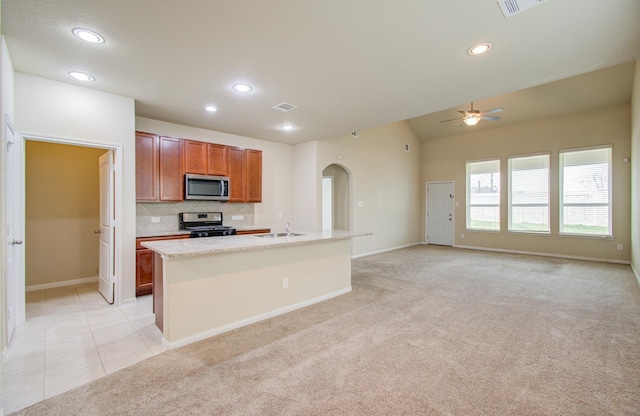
column 347, row 64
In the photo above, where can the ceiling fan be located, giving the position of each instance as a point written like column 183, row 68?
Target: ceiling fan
column 472, row 117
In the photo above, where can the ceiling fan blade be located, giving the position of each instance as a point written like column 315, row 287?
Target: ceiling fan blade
column 493, row 110
column 490, row 118
column 451, row 119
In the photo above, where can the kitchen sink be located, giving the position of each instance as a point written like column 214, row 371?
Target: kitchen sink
column 273, row 235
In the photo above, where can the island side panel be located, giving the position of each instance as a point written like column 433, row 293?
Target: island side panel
column 158, row 279
column 210, row 294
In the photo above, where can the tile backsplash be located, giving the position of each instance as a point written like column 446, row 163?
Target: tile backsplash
column 167, row 213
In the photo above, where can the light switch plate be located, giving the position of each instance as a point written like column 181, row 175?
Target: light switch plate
column 155, row 219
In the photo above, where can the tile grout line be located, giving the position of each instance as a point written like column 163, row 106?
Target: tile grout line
column 93, row 337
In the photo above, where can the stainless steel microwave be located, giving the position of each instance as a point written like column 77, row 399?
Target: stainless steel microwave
column 206, row 187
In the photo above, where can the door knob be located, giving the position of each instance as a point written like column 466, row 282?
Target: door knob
column 96, row 231
column 16, row 242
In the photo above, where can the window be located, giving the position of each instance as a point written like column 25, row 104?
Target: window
column 483, row 195
column 529, row 193
column 585, row 192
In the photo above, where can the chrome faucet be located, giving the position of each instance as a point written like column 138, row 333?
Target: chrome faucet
column 288, row 229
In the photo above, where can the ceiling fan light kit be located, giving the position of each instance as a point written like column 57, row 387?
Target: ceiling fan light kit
column 472, row 120
column 473, row 117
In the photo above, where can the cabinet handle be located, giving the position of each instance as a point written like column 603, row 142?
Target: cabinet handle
column 96, row 231
column 16, row 242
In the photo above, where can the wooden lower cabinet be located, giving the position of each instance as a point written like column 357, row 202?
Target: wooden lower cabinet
column 260, row 231
column 144, row 264
column 144, row 272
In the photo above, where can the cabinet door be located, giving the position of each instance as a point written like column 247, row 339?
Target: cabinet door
column 254, row 175
column 217, row 160
column 144, row 272
column 195, row 157
column 237, row 174
column 146, row 167
column 171, row 169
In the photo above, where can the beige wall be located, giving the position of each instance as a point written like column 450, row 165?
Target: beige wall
column 277, row 167
column 635, row 175
column 46, row 108
column 384, row 178
column 62, row 210
column 444, row 160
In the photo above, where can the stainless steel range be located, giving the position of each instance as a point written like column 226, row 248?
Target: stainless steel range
column 204, row 224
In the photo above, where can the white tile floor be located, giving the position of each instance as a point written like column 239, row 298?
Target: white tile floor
column 71, row 337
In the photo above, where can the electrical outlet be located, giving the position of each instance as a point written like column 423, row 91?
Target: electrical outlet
column 285, row 282
column 237, row 217
column 619, row 247
column 462, row 235
column 155, row 219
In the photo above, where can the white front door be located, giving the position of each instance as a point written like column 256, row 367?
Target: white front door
column 14, row 288
column 440, row 213
column 107, row 223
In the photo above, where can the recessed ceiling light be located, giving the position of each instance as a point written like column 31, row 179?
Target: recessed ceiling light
column 211, row 108
column 480, row 48
column 242, row 87
column 88, row 35
column 81, row 76
column 287, row 127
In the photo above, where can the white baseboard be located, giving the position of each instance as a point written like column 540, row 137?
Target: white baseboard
column 62, row 284
column 226, row 328
column 371, row 253
column 535, row 253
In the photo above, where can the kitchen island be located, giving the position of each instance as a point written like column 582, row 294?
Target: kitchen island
column 206, row 286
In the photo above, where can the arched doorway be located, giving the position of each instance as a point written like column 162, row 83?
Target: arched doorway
column 335, row 198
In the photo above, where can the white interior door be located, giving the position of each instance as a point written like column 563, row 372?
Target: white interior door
column 440, row 199
column 107, row 241
column 14, row 282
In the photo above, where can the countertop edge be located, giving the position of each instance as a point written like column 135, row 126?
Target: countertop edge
column 177, row 249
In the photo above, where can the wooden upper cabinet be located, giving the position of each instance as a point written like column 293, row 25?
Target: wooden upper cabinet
column 218, row 159
column 147, row 167
column 161, row 163
column 195, row 157
column 253, row 190
column 205, row 158
column 237, row 174
column 171, row 169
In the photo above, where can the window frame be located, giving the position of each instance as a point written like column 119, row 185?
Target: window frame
column 608, row 204
column 510, row 195
column 468, row 196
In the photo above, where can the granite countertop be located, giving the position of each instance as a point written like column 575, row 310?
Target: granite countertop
column 145, row 234
column 170, row 249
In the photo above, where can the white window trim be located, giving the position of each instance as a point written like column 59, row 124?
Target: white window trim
column 561, row 205
column 548, row 204
column 468, row 196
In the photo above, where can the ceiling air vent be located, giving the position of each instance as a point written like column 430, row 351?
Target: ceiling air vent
column 284, row 107
column 512, row 7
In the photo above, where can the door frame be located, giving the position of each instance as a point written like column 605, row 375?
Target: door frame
column 426, row 210
column 118, row 186
column 324, row 204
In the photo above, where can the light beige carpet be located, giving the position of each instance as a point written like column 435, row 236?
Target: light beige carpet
column 426, row 331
